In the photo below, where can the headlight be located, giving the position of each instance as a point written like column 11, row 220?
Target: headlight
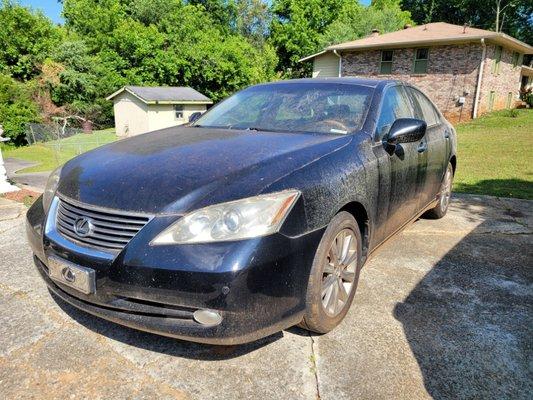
column 242, row 219
column 51, row 187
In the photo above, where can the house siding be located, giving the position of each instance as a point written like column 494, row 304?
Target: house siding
column 452, row 72
column 133, row 117
column 506, row 81
column 163, row 116
column 130, row 115
column 326, row 65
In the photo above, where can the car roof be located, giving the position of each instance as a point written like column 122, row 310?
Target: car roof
column 343, row 80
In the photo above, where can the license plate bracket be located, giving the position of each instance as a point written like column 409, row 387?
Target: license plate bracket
column 72, row 275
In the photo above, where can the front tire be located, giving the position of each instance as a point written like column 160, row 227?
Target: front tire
column 334, row 275
column 445, row 195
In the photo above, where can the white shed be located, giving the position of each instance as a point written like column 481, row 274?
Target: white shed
column 140, row 109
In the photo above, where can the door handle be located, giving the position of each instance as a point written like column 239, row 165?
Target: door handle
column 423, row 146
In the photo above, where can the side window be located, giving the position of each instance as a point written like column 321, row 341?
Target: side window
column 429, row 114
column 395, row 105
column 178, row 111
column 386, row 62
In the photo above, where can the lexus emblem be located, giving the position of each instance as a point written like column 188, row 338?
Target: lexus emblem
column 83, row 227
column 68, row 275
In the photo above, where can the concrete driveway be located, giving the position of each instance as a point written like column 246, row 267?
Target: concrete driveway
column 444, row 310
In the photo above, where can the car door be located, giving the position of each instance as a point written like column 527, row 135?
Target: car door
column 402, row 174
column 436, row 135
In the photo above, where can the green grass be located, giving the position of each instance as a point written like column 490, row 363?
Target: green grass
column 494, row 155
column 51, row 154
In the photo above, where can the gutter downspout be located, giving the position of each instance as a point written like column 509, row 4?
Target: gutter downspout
column 479, row 78
column 340, row 62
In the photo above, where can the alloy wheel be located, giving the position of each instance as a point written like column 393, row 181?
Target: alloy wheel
column 339, row 272
column 446, row 192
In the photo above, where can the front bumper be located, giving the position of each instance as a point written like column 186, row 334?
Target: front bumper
column 258, row 286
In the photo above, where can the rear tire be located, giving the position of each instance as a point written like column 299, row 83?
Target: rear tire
column 445, row 195
column 334, row 275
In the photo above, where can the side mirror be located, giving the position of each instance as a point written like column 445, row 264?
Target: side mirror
column 194, row 116
column 405, row 130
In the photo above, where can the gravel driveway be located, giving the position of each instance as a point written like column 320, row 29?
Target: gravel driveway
column 444, row 310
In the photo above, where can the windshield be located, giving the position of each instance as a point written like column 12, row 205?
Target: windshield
column 293, row 107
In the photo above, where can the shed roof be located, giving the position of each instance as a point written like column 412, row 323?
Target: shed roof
column 436, row 33
column 164, row 94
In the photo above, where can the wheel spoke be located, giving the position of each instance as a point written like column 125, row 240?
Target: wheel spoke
column 331, row 303
column 343, row 295
column 328, row 268
column 334, row 254
column 328, row 284
column 351, row 259
column 346, row 242
column 348, row 276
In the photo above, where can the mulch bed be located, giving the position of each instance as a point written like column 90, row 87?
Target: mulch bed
column 22, row 196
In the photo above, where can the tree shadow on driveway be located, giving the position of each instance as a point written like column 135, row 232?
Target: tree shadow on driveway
column 469, row 321
column 158, row 343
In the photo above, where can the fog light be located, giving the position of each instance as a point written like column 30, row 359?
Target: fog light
column 207, row 317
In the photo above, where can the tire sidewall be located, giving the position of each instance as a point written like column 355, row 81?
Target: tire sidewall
column 315, row 317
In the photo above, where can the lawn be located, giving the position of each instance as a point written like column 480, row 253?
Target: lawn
column 51, row 154
column 494, row 155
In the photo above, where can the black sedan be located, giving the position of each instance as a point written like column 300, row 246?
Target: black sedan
column 257, row 216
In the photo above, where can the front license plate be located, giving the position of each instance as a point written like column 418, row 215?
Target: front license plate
column 75, row 276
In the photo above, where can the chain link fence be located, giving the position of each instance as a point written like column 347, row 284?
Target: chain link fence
column 63, row 140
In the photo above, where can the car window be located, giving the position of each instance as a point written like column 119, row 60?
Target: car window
column 293, row 107
column 396, row 104
column 429, row 114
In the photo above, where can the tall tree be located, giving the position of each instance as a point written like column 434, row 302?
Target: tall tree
column 514, row 17
column 356, row 21
column 26, row 38
column 297, row 27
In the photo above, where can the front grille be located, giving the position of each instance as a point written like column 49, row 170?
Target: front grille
column 109, row 229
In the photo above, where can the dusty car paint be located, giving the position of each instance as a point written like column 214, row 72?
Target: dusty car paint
column 258, row 285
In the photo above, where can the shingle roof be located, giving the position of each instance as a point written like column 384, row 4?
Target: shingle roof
column 429, row 34
column 164, row 94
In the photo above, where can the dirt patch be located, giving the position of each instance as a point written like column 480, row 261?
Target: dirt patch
column 25, row 196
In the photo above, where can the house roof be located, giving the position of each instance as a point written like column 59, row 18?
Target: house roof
column 436, row 33
column 164, row 95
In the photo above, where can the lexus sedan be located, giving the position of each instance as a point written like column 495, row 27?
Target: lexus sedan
column 253, row 218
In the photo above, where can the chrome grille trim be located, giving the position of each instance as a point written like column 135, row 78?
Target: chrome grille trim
column 112, row 229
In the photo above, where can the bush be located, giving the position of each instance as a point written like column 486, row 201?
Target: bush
column 512, row 113
column 16, row 109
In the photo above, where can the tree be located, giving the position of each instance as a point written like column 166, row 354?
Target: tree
column 252, row 20
column 297, row 27
column 356, row 21
column 26, row 38
column 514, row 17
column 16, row 108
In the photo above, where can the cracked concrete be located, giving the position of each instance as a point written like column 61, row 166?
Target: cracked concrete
column 443, row 311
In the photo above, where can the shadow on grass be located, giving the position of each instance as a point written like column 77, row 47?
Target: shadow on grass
column 517, row 188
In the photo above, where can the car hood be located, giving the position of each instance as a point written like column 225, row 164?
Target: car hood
column 176, row 169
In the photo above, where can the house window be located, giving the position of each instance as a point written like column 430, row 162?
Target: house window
column 509, row 99
column 491, row 100
column 517, row 59
column 178, row 110
column 386, row 62
column 497, row 60
column 421, row 61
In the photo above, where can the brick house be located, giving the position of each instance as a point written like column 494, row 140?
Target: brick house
column 465, row 71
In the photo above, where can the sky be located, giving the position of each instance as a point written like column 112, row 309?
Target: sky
column 52, row 8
